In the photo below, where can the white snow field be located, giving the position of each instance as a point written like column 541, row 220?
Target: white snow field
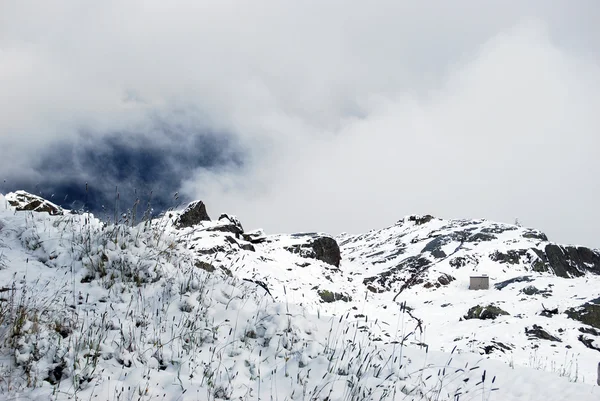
column 152, row 310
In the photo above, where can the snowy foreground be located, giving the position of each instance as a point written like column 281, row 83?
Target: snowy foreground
column 150, row 311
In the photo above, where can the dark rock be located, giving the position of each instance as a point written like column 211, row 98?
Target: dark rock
column 435, row 246
column 327, row 250
column 520, row 279
column 56, row 373
column 194, row 213
column 567, row 261
column 485, row 312
column 445, row 279
column 247, row 247
column 255, row 237
column 328, row 296
column 211, row 251
column 588, row 313
column 320, row 247
column 561, row 262
column 511, row 257
column 530, row 290
column 409, row 271
column 24, row 201
column 589, row 330
column 420, row 220
column 534, row 234
column 588, row 342
column 230, row 224
column 539, row 262
column 498, row 229
column 226, row 228
column 231, row 219
column 480, row 237
column 375, row 289
column 205, row 266
column 548, row 312
column 462, row 261
column 538, row 332
column 496, row 346
column 458, row 261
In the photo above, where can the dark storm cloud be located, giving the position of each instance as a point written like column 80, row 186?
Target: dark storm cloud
column 89, row 173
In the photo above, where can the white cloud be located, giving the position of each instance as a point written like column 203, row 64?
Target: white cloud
column 354, row 113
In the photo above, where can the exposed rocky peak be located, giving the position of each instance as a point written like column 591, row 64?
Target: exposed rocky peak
column 193, row 214
column 24, row 201
column 401, row 256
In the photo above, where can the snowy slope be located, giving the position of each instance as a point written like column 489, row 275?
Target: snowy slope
column 165, row 310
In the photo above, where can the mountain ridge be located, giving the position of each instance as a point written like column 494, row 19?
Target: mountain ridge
column 404, row 284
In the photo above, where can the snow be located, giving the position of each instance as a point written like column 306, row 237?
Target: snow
column 95, row 311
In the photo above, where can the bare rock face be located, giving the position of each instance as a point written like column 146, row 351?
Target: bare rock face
column 229, row 224
column 316, row 246
column 24, row 201
column 490, row 312
column 194, row 213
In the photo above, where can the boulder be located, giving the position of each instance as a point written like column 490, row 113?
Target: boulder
column 445, row 279
column 538, row 332
column 255, row 237
column 489, row 312
column 320, row 247
column 534, row 234
column 530, row 290
column 588, row 313
column 329, row 296
column 327, row 250
column 24, row 201
column 193, row 214
column 228, row 224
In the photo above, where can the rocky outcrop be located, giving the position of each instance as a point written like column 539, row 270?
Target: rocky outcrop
column 588, row 313
column 489, row 312
column 255, row 237
column 520, row 279
column 420, row 220
column 24, row 201
column 533, row 290
column 409, row 271
column 194, row 214
column 512, row 257
column 571, row 261
column 228, row 224
column 445, row 279
column 534, row 234
column 320, row 247
column 538, row 332
column 330, row 296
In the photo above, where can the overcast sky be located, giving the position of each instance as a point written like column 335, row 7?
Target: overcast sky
column 336, row 116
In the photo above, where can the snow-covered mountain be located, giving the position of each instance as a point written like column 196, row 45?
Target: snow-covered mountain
column 182, row 307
